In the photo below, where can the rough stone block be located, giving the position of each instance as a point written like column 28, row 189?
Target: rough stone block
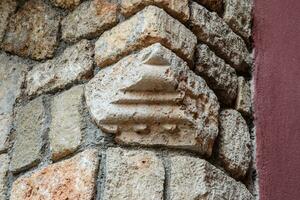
column 67, row 124
column 12, row 75
column 152, row 98
column 213, row 5
column 213, row 31
column 147, row 27
column 193, row 178
column 237, row 13
column 234, row 143
column 7, row 7
column 69, row 179
column 219, row 76
column 32, row 31
column 75, row 64
column 4, row 163
column 30, row 127
column 133, row 175
column 243, row 101
column 89, row 20
column 179, row 9
column 67, row 4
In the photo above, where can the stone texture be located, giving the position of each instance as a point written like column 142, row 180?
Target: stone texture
column 75, row 64
column 219, row 76
column 149, row 26
column 133, row 175
column 152, row 98
column 237, row 13
column 179, row 9
column 67, row 123
column 89, row 20
column 7, row 7
column 193, row 178
column 234, row 143
column 12, row 74
column 30, row 127
column 213, row 5
column 243, row 101
column 4, row 163
column 67, row 4
column 32, row 31
column 213, row 31
column 70, row 179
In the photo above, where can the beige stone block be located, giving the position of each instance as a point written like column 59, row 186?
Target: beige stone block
column 67, row 4
column 213, row 5
column 243, row 101
column 7, row 7
column 4, row 164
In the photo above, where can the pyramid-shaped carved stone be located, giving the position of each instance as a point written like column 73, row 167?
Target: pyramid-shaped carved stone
column 152, row 98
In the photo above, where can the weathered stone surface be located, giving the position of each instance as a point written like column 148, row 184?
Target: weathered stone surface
column 149, row 26
column 234, row 143
column 243, row 101
column 212, row 30
column 67, row 124
column 30, row 127
column 70, row 179
column 89, row 20
column 193, row 178
column 4, row 163
column 12, row 74
column 133, row 175
column 213, row 5
column 179, row 9
column 219, row 76
column 152, row 98
column 67, row 4
column 237, row 13
column 75, row 64
column 7, row 7
column 32, row 31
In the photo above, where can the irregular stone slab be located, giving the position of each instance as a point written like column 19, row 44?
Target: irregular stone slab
column 30, row 127
column 140, row 31
column 75, row 64
column 67, row 4
column 212, row 30
column 193, row 178
column 238, row 15
column 32, row 31
column 12, row 75
column 4, row 163
column 234, row 143
column 213, row 5
column 133, row 175
column 152, row 98
column 67, row 124
column 70, row 179
column 179, row 9
column 220, row 76
column 243, row 101
column 89, row 20
column 7, row 7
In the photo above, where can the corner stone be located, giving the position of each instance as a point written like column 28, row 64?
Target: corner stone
column 69, row 179
column 133, row 175
column 89, row 20
column 213, row 31
column 234, row 143
column 178, row 9
column 4, row 163
column 66, row 124
column 30, row 127
column 193, row 178
column 147, row 27
column 75, row 64
column 243, row 101
column 33, row 31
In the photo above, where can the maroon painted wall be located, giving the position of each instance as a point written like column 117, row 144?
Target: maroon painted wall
column 277, row 98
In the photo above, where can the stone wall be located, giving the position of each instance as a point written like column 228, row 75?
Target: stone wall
column 126, row 99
